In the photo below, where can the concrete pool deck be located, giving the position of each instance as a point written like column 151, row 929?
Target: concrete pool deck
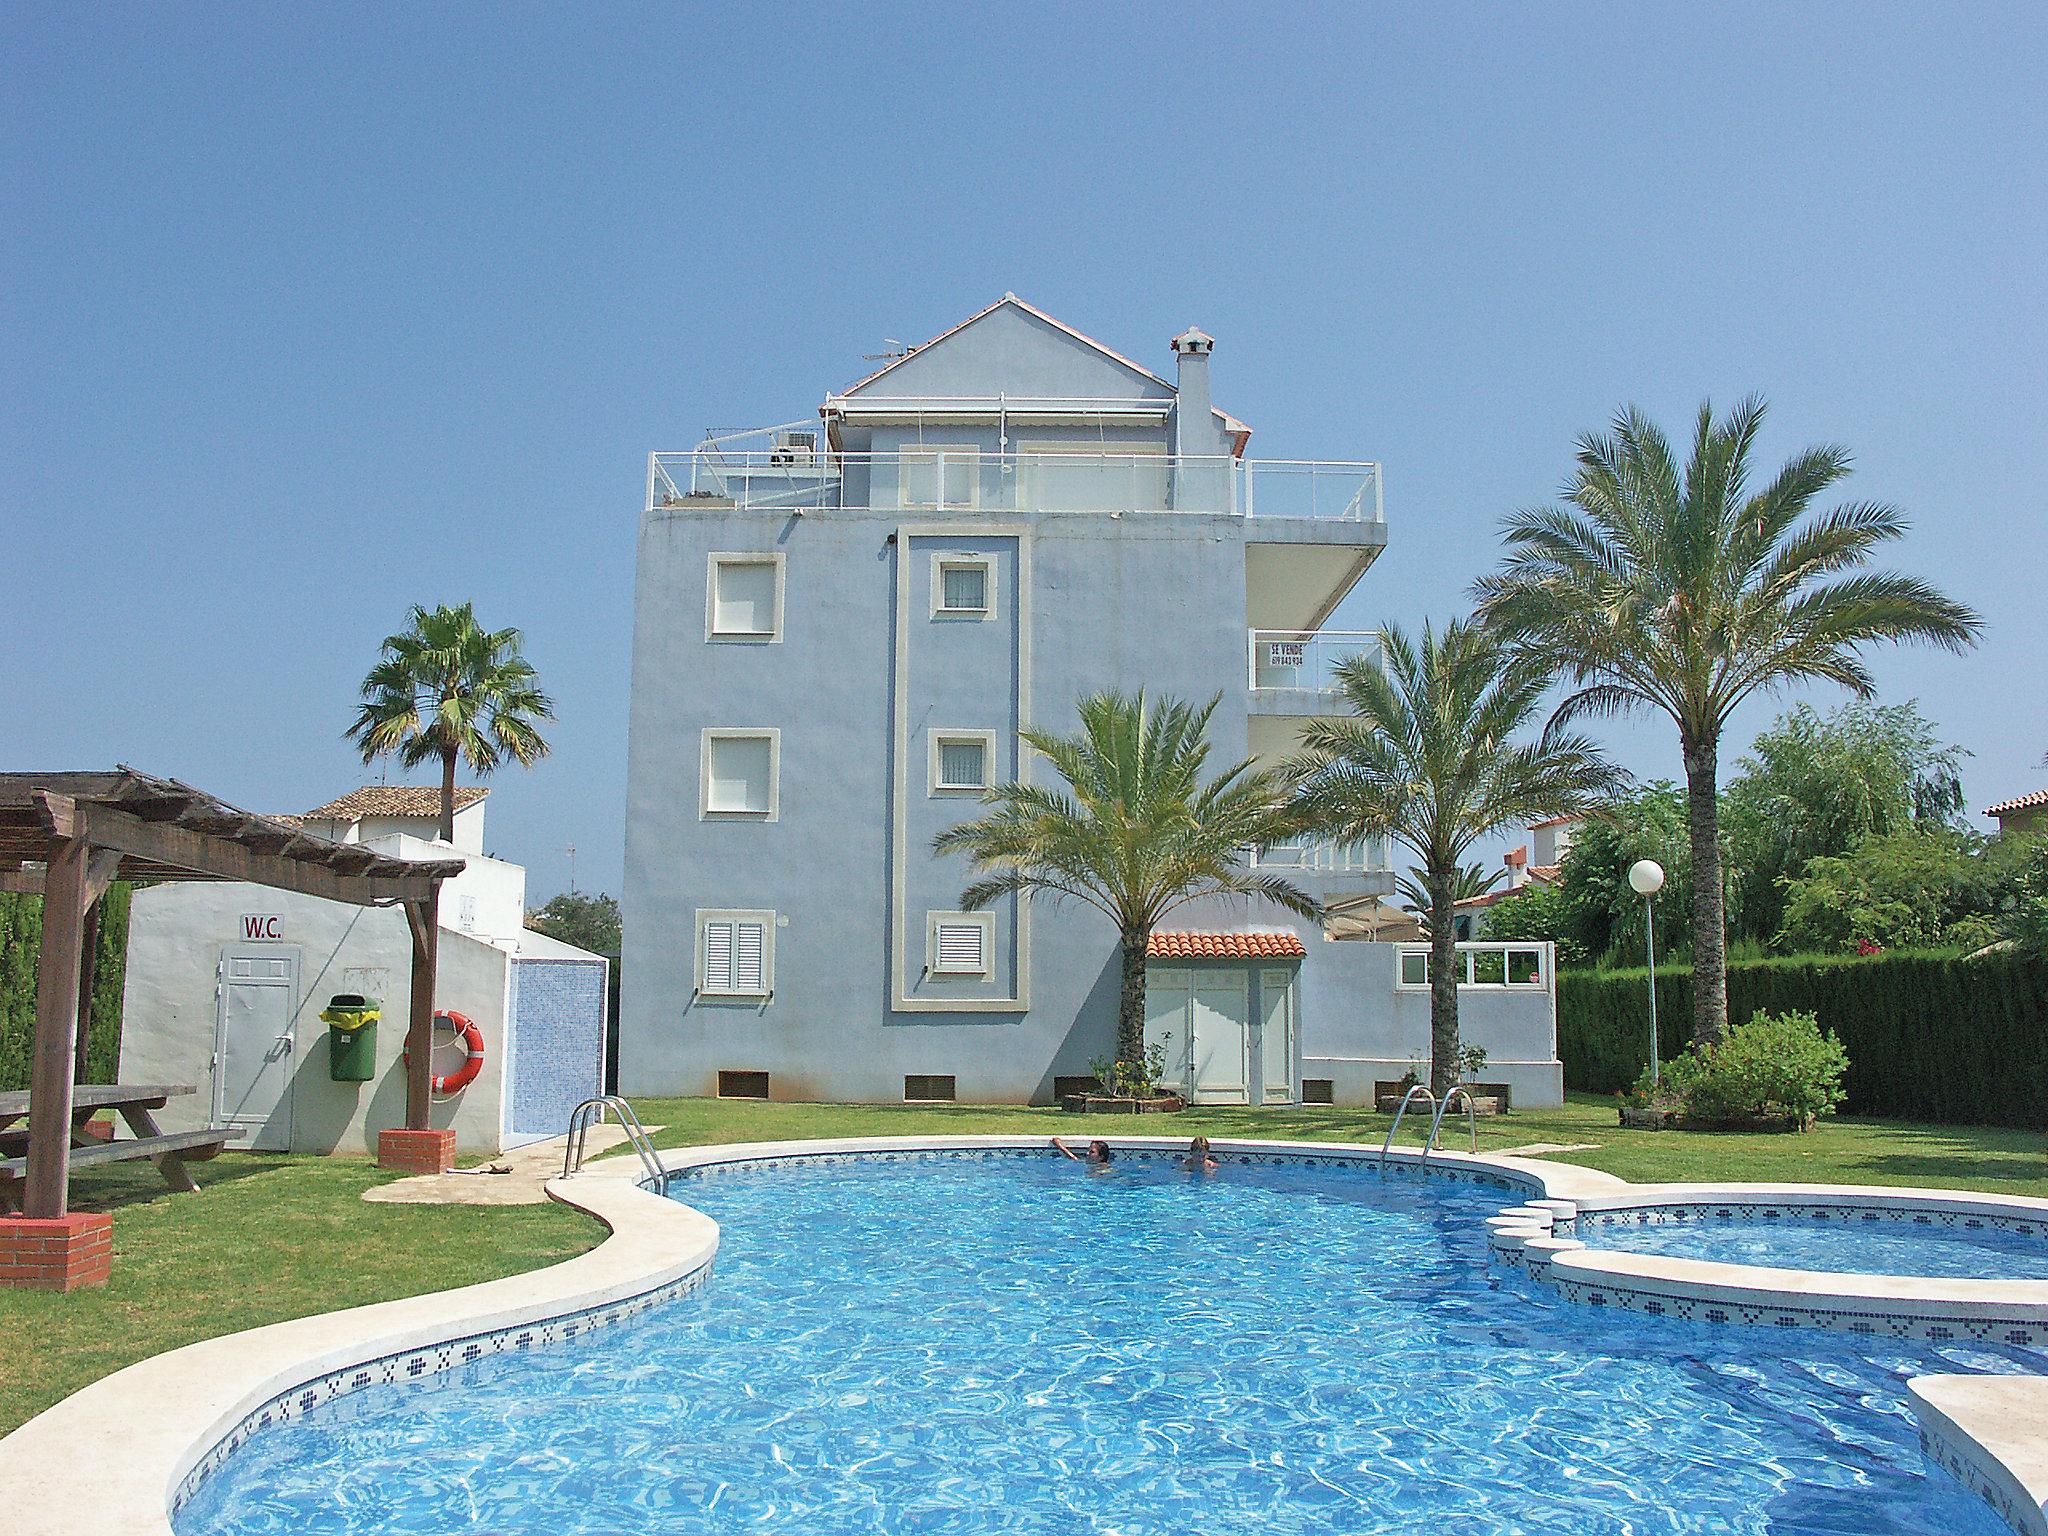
column 141, row 1439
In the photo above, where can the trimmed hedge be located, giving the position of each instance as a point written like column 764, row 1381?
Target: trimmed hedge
column 21, row 935
column 1930, row 1036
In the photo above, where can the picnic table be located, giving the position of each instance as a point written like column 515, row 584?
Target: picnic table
column 133, row 1102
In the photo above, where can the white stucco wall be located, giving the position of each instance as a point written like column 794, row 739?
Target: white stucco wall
column 171, row 1007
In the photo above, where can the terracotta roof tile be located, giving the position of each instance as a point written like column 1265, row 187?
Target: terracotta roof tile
column 1225, row 946
column 2026, row 802
column 391, row 800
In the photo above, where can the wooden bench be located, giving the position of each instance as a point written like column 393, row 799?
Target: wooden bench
column 133, row 1103
column 169, row 1151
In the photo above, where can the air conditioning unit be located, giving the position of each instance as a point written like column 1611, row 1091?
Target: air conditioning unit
column 794, row 448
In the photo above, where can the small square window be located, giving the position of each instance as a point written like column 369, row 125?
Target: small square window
column 960, row 943
column 735, row 953
column 1414, row 967
column 962, row 762
column 742, row 773
column 963, row 587
column 744, row 597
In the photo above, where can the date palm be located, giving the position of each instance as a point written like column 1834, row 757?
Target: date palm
column 1136, row 831
column 449, row 690
column 1426, row 756
column 1682, row 589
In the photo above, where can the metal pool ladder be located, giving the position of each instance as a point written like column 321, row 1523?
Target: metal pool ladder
column 1436, row 1121
column 592, row 1112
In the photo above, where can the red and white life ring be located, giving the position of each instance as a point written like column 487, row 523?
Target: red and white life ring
column 472, row 1044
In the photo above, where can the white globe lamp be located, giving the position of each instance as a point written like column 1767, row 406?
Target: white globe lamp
column 1646, row 879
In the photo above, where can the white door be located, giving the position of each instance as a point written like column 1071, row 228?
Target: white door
column 1220, row 1019
column 254, row 1049
column 1166, row 1022
column 1273, row 1039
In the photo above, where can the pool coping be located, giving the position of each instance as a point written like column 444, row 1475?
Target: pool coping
column 141, row 1438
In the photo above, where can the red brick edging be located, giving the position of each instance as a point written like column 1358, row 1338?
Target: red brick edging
column 416, row 1151
column 56, row 1253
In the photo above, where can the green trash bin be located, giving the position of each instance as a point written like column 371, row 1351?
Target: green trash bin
column 351, row 1037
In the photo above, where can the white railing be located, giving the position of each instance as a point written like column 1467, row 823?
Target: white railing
column 1520, row 967
column 1313, row 856
column 798, row 474
column 1306, row 660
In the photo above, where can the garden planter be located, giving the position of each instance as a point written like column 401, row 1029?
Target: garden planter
column 1639, row 1118
column 1644, row 1118
column 1482, row 1104
column 1113, row 1104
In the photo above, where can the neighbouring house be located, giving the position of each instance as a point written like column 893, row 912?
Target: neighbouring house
column 1537, row 861
column 2023, row 813
column 226, row 983
column 842, row 622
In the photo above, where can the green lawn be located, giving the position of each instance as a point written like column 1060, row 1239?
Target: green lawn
column 275, row 1237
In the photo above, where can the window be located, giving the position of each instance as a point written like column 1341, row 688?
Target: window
column 941, row 476
column 1414, row 967
column 743, row 1085
column 963, row 587
column 962, row 762
column 742, row 770
column 960, row 943
column 928, row 1088
column 735, row 954
column 744, row 598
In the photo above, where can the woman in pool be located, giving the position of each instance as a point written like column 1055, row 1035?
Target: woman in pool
column 1096, row 1157
column 1198, row 1159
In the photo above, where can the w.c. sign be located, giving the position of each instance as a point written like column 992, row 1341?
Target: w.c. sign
column 260, row 926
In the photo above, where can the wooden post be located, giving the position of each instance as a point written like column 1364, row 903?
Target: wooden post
column 100, row 871
column 424, row 918
column 47, row 1193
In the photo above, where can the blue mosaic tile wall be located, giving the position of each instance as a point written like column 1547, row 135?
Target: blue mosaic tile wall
column 557, row 1050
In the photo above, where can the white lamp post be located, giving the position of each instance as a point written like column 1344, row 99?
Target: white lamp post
column 1646, row 879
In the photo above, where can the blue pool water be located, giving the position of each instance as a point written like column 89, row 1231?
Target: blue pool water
column 1852, row 1243
column 983, row 1346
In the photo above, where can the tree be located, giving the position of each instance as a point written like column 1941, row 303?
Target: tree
column 588, row 921
column 1537, row 911
column 1604, row 915
column 447, row 690
column 1894, row 890
column 1426, row 756
column 1680, row 590
column 1815, row 786
column 1472, row 880
column 1136, row 833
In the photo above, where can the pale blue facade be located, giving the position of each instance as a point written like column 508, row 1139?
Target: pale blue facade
column 826, row 616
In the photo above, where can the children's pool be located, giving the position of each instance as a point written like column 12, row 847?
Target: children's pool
column 1848, row 1239
column 1013, row 1345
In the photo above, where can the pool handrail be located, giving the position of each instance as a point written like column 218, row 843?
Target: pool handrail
column 592, row 1112
column 1456, row 1091
column 1402, row 1109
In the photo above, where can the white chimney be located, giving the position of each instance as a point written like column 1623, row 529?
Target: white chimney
column 1193, row 428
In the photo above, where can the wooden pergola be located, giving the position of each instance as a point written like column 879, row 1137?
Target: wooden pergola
column 67, row 836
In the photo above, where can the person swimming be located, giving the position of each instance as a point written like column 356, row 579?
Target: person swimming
column 1198, row 1159
column 1096, row 1157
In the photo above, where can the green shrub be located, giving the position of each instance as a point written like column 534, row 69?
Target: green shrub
column 21, row 936
column 1930, row 1036
column 1778, row 1064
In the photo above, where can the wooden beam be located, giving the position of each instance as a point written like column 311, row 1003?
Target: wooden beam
column 100, row 869
column 423, row 918
column 165, row 843
column 21, row 882
column 47, row 1193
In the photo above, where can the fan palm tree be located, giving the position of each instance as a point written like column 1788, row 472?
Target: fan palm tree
column 447, row 690
column 1684, row 590
column 1425, row 757
column 1136, row 832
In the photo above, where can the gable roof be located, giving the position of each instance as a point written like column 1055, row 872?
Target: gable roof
column 2033, row 800
column 1011, row 301
column 391, row 800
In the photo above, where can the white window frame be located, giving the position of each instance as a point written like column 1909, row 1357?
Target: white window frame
column 705, row 810
column 940, row 564
column 705, row 917
column 985, row 921
column 914, row 452
column 722, row 557
column 1467, row 952
column 986, row 740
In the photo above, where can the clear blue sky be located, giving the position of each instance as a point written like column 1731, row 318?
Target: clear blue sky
column 311, row 313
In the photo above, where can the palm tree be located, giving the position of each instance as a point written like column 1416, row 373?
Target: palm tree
column 1472, row 880
column 1425, row 757
column 1136, row 832
column 1683, row 590
column 449, row 689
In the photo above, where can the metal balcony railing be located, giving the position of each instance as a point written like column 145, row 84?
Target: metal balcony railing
column 1306, row 660
column 1313, row 856
column 799, row 475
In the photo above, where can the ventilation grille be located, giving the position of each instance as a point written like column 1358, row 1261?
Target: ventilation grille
column 743, row 1085
column 928, row 1089
column 1318, row 1090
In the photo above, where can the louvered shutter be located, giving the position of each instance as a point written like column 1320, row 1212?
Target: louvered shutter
column 718, row 957
column 960, row 948
column 749, row 968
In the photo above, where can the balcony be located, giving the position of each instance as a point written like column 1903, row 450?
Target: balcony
column 798, row 476
column 1294, row 671
column 1311, row 856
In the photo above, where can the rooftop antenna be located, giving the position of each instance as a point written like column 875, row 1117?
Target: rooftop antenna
column 571, row 851
column 898, row 349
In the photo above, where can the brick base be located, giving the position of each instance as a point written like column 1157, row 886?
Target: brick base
column 416, row 1151
column 60, row 1253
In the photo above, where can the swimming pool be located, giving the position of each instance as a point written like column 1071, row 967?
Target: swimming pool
column 1006, row 1344
column 1843, row 1239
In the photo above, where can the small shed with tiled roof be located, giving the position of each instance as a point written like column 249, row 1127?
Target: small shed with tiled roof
column 2022, row 813
column 1221, row 1008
